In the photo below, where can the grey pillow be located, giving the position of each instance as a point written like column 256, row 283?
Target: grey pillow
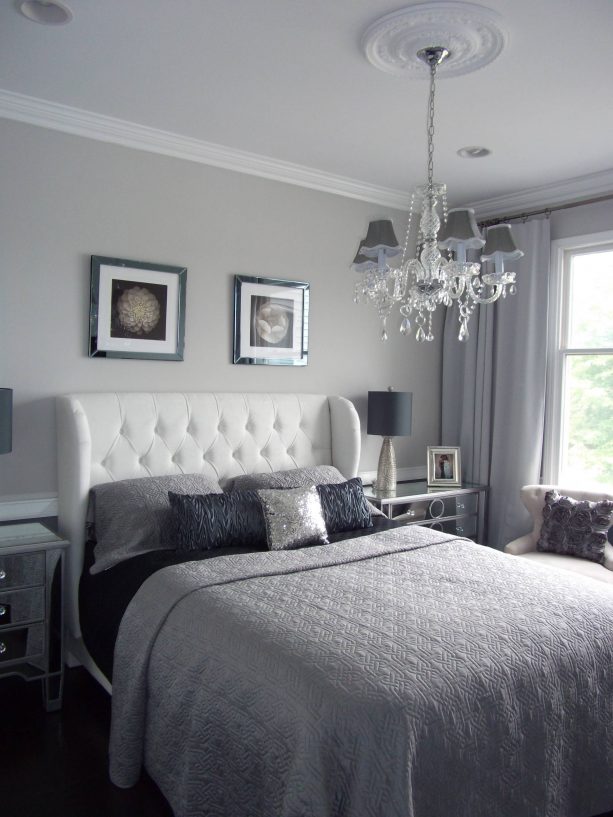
column 133, row 516
column 293, row 518
column 295, row 478
column 575, row 527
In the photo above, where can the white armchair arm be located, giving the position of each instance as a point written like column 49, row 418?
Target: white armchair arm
column 525, row 544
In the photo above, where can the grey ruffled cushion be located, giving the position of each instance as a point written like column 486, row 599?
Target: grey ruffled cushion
column 218, row 520
column 575, row 527
column 293, row 518
column 133, row 516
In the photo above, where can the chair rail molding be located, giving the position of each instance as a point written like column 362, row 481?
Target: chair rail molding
column 31, row 506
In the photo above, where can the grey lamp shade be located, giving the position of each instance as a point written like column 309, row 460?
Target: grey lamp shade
column 390, row 413
column 380, row 236
column 6, row 421
column 500, row 240
column 460, row 227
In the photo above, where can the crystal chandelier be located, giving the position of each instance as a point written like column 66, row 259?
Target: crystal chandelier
column 419, row 285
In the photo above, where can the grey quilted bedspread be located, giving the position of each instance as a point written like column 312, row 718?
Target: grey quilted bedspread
column 407, row 674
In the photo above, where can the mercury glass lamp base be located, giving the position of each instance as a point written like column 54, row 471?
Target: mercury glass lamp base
column 386, row 470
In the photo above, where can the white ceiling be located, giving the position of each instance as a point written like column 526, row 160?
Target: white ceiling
column 287, row 79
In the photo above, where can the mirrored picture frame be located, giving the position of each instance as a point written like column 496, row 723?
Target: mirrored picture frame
column 271, row 320
column 137, row 309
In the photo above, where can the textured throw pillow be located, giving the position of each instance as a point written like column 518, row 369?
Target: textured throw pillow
column 133, row 516
column 575, row 527
column 344, row 506
column 293, row 518
column 218, row 520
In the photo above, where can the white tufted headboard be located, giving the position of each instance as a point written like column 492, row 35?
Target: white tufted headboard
column 109, row 436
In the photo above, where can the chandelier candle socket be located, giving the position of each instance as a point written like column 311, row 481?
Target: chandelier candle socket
column 420, row 285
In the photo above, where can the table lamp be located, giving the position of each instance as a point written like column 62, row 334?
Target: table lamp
column 6, row 421
column 390, row 415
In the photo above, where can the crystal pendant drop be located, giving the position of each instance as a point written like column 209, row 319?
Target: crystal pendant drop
column 512, row 289
column 405, row 326
column 463, row 336
column 420, row 335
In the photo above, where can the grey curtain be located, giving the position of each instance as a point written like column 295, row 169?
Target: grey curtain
column 493, row 387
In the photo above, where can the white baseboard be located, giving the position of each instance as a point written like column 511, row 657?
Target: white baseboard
column 406, row 473
column 33, row 506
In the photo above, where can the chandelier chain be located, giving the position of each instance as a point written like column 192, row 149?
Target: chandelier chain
column 431, row 125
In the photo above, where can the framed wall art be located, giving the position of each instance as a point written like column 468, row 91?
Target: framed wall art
column 271, row 319
column 137, row 310
column 444, row 466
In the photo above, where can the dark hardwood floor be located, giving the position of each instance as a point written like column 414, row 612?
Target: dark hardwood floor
column 56, row 765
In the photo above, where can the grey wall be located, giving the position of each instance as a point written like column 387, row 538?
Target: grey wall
column 64, row 198
column 589, row 218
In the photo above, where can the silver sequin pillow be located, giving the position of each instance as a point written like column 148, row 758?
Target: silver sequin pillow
column 133, row 516
column 293, row 518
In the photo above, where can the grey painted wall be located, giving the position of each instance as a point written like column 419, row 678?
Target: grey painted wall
column 64, row 198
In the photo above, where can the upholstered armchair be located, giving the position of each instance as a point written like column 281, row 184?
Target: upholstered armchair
column 533, row 497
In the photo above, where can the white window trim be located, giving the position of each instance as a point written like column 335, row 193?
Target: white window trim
column 560, row 256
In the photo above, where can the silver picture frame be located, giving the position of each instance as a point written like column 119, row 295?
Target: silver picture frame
column 444, row 466
column 271, row 321
column 137, row 309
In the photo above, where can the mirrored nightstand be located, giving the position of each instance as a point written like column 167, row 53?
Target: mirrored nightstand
column 31, row 626
column 456, row 510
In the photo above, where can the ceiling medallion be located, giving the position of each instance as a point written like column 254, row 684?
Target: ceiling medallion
column 473, row 34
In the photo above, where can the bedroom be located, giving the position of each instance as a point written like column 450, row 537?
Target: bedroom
column 73, row 187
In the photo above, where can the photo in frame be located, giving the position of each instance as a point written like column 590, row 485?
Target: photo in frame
column 137, row 309
column 444, row 466
column 271, row 319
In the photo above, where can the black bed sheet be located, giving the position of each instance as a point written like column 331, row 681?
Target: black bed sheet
column 104, row 597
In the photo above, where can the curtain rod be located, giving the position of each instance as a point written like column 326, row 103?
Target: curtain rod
column 545, row 211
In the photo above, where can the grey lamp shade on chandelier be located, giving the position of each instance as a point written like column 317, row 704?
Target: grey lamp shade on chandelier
column 6, row 421
column 390, row 414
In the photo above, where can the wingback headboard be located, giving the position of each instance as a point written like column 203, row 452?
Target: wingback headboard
column 108, row 436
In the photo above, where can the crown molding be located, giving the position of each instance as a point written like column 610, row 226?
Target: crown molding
column 547, row 195
column 90, row 125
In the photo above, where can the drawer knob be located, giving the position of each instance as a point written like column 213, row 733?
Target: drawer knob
column 2, row 610
column 2, row 647
column 2, row 575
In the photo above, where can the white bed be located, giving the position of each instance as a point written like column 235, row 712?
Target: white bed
column 407, row 672
column 110, row 436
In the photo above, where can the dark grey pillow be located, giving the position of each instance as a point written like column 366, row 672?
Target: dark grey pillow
column 133, row 516
column 575, row 527
column 344, row 506
column 218, row 520
column 293, row 518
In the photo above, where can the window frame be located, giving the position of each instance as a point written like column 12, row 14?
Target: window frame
column 559, row 350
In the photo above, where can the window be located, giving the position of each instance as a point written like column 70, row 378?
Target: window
column 579, row 426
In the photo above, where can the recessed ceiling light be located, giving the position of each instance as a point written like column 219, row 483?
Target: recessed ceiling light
column 473, row 152
column 47, row 12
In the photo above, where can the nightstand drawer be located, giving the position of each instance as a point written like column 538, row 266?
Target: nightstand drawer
column 22, row 643
column 22, row 606
column 22, row 570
